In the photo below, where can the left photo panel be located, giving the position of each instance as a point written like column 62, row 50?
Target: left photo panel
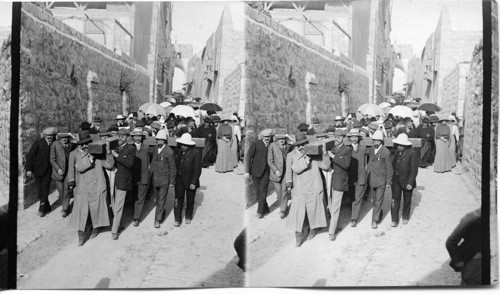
column 127, row 178
column 5, row 94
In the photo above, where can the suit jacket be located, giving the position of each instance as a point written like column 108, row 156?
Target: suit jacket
column 141, row 164
column 189, row 165
column 256, row 159
column 379, row 168
column 340, row 164
column 123, row 163
column 163, row 167
column 38, row 158
column 357, row 167
column 59, row 157
column 276, row 159
column 407, row 167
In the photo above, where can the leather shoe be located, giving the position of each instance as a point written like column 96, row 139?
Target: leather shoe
column 394, row 224
column 354, row 223
column 136, row 222
column 41, row 214
column 405, row 222
column 114, row 236
column 64, row 213
column 282, row 214
column 374, row 225
column 80, row 243
column 157, row 224
column 94, row 234
column 332, row 237
column 177, row 224
column 298, row 239
column 188, row 221
column 260, row 215
column 311, row 234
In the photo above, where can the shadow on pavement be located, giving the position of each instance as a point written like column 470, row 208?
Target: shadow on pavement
column 198, row 201
column 443, row 276
column 230, row 276
column 103, row 283
column 416, row 198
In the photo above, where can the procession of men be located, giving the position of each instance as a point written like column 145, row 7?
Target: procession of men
column 363, row 158
column 137, row 160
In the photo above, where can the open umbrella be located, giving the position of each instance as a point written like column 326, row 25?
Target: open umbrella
column 168, row 109
column 211, row 106
column 402, row 111
column 145, row 106
column 155, row 110
column 384, row 105
column 370, row 109
column 183, row 110
column 429, row 107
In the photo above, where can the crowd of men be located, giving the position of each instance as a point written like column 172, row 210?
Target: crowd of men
column 142, row 163
column 317, row 184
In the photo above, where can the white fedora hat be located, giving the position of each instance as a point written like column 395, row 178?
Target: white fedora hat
column 186, row 139
column 402, row 139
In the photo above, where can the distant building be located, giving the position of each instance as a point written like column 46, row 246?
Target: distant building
column 140, row 30
column 444, row 49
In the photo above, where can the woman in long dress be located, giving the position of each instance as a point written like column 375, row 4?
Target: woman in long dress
column 454, row 136
column 442, row 160
column 303, row 177
column 224, row 162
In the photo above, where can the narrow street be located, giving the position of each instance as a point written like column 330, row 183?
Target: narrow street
column 408, row 255
column 200, row 254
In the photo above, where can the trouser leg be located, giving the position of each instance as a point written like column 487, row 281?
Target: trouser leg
column 118, row 204
column 262, row 183
column 161, row 201
column 407, row 194
column 377, row 197
column 180, row 191
column 359, row 192
column 190, row 195
column 43, row 185
column 142, row 190
column 335, row 210
column 85, row 234
column 396, row 199
column 280, row 195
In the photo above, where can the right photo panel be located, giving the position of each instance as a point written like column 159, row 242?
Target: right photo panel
column 363, row 142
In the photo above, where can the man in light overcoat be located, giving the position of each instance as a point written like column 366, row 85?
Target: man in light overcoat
column 59, row 156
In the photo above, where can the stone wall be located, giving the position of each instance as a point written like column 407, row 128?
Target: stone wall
column 55, row 62
column 454, row 90
column 473, row 116
column 278, row 61
column 231, row 93
column 5, row 92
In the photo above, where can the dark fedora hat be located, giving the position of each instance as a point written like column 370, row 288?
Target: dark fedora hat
column 300, row 139
column 84, row 125
column 303, row 127
column 83, row 138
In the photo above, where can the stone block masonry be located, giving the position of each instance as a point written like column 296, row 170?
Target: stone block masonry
column 5, row 92
column 473, row 116
column 55, row 63
column 278, row 62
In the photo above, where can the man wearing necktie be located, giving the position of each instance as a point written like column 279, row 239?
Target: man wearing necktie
column 257, row 166
column 124, row 160
column 340, row 158
column 38, row 163
column 59, row 154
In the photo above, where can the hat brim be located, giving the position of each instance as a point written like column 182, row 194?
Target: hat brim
column 355, row 135
column 137, row 134
column 88, row 140
column 300, row 142
column 189, row 143
column 404, row 143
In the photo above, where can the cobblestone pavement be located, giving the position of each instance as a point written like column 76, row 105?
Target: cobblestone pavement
column 408, row 255
column 199, row 254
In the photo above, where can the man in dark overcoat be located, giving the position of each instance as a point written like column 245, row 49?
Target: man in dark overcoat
column 124, row 156
column 405, row 166
column 163, row 172
column 340, row 157
column 188, row 166
column 276, row 159
column 256, row 165
column 59, row 156
column 38, row 163
column 379, row 172
column 141, row 176
column 357, row 174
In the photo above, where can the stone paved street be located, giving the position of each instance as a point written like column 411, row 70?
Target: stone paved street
column 408, row 255
column 200, row 254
